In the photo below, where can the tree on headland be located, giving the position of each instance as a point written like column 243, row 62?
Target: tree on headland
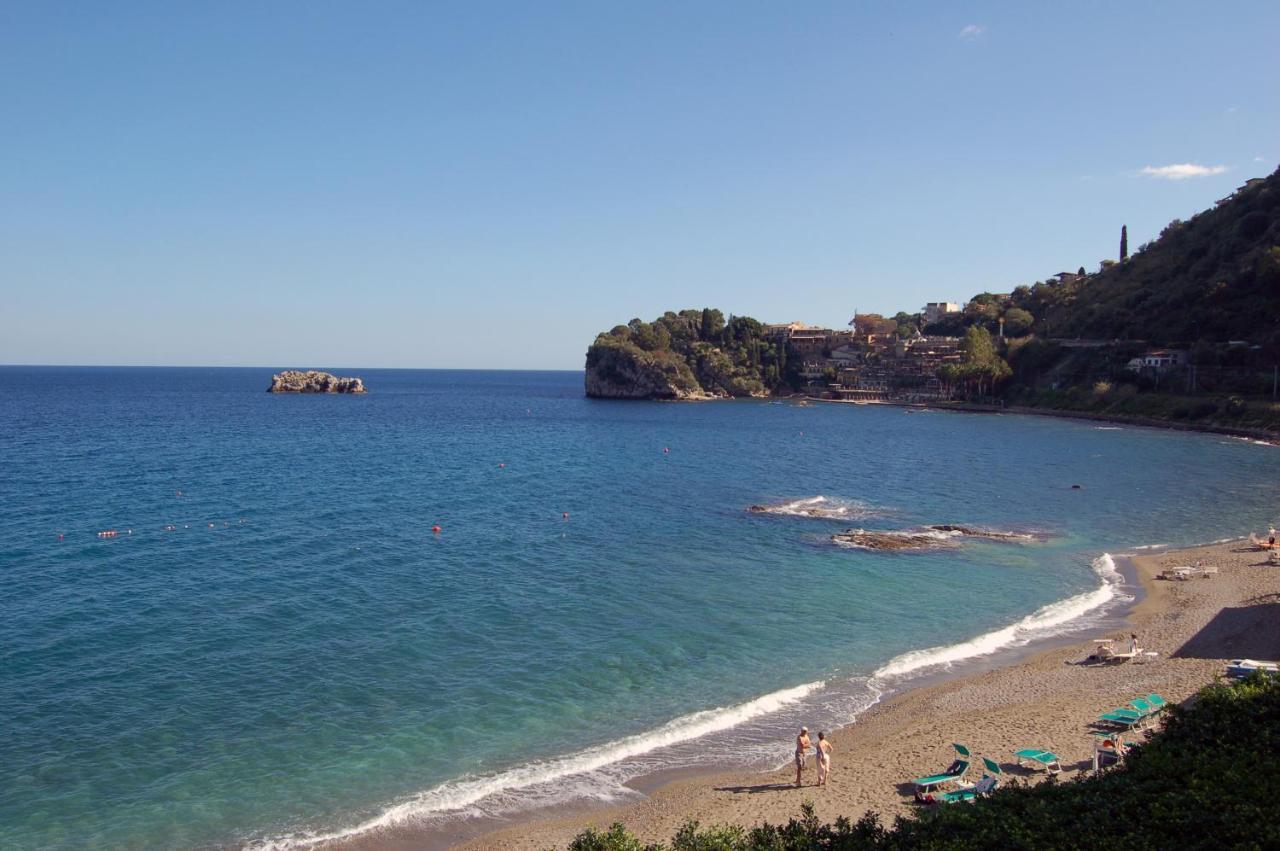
column 1124, row 243
column 981, row 368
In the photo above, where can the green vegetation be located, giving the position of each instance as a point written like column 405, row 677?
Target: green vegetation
column 695, row 352
column 1211, row 279
column 1209, row 779
column 981, row 370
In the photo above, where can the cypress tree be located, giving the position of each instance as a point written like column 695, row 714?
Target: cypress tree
column 1124, row 243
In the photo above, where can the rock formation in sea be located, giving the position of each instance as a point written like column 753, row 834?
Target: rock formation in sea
column 311, row 381
column 924, row 538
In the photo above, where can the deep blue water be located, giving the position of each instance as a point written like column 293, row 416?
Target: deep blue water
column 301, row 653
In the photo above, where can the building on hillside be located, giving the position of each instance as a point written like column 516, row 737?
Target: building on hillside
column 783, row 329
column 1065, row 278
column 934, row 311
column 1158, row 360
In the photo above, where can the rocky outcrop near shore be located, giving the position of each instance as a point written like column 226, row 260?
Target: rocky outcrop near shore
column 627, row 372
column 311, row 381
column 942, row 536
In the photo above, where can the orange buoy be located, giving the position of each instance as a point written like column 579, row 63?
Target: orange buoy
column 435, row 530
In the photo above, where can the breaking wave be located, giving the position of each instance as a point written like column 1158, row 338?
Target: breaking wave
column 1042, row 623
column 821, row 507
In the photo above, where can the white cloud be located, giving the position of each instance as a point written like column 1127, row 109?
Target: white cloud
column 1259, row 160
column 1181, row 171
column 972, row 31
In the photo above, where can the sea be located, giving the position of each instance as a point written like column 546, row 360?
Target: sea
column 236, row 619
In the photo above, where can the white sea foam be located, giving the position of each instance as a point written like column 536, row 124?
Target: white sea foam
column 462, row 795
column 1044, row 621
column 825, row 507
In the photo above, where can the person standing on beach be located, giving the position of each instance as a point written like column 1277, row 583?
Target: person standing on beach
column 1133, row 643
column 824, row 759
column 802, row 752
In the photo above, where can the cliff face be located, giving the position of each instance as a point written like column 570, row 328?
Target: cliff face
column 617, row 370
column 296, row 381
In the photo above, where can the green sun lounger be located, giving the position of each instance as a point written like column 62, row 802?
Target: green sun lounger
column 983, row 787
column 954, row 772
column 1121, row 717
column 1143, row 707
column 1046, row 759
column 1157, row 701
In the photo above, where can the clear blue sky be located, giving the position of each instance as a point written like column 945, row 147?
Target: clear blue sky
column 488, row 185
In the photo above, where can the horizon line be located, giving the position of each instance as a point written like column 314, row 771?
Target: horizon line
column 275, row 368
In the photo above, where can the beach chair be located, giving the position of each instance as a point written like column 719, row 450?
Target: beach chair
column 983, row 787
column 927, row 785
column 1108, row 750
column 1157, row 701
column 1046, row 759
column 1125, row 718
column 1143, row 707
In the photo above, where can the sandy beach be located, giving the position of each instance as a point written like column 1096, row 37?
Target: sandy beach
column 1045, row 700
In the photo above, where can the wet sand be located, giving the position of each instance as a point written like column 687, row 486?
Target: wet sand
column 1045, row 700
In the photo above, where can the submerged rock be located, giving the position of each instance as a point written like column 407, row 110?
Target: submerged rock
column 894, row 540
column 941, row 536
column 990, row 534
column 311, row 381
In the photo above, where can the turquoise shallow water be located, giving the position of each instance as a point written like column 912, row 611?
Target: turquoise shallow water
column 317, row 659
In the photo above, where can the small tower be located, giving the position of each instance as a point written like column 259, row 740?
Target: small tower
column 1124, row 243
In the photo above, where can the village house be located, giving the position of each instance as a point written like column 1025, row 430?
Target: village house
column 1158, row 359
column 934, row 311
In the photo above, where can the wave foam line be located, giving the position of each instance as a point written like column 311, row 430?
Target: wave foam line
column 1023, row 632
column 460, row 794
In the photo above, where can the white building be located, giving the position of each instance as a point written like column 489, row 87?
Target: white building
column 935, row 310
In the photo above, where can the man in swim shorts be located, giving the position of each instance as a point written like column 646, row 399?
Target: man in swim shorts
column 802, row 751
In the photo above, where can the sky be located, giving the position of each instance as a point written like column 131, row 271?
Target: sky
column 489, row 185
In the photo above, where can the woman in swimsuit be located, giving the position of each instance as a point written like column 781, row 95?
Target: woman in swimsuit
column 824, row 759
column 802, row 750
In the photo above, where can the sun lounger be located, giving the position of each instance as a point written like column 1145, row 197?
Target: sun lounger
column 1142, row 707
column 1238, row 669
column 926, row 785
column 1157, row 701
column 1122, row 718
column 983, row 787
column 1108, row 750
column 1046, row 759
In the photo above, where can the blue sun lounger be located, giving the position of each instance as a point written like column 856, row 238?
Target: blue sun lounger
column 926, row 785
column 1046, row 759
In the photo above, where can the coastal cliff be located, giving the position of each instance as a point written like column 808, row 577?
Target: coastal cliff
column 311, row 381
column 693, row 354
column 620, row 371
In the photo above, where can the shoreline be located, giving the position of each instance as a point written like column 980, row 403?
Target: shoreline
column 1265, row 435
column 1034, row 699
column 720, row 794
